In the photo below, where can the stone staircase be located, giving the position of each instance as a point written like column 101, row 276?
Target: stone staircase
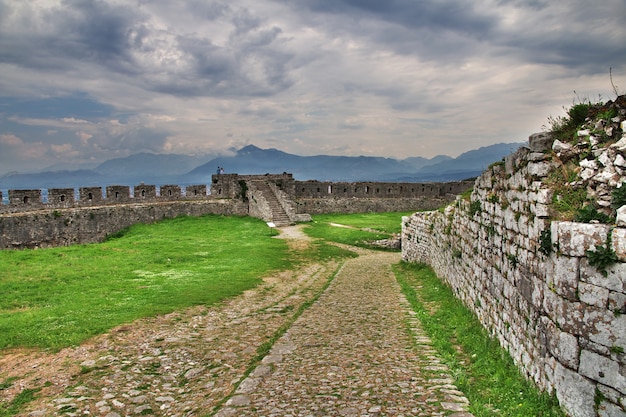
column 279, row 215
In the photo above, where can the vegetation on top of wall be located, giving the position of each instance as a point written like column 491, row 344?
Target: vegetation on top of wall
column 567, row 198
column 564, row 128
column 586, row 134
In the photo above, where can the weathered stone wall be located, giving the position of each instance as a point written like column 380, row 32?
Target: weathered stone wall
column 529, row 278
column 369, row 205
column 305, row 190
column 317, row 197
column 68, row 226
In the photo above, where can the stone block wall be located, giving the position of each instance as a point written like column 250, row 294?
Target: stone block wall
column 531, row 278
column 341, row 190
column 64, row 227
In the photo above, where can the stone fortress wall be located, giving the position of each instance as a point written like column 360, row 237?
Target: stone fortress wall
column 88, row 214
column 535, row 281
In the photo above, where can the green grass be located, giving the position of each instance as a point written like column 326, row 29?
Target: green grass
column 14, row 407
column 52, row 298
column 481, row 368
column 383, row 222
column 361, row 228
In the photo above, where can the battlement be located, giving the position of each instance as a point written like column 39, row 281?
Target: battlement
column 54, row 198
column 66, row 216
column 222, row 186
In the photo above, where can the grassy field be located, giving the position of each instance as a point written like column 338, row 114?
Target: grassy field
column 52, row 298
column 359, row 228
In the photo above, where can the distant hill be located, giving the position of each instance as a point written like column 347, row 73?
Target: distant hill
column 151, row 166
column 467, row 165
column 254, row 160
column 183, row 170
column 132, row 170
column 56, row 179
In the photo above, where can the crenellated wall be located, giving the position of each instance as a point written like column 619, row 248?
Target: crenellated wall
column 89, row 214
column 316, row 197
column 531, row 277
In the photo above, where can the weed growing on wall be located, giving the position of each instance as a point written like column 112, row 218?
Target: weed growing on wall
column 590, row 213
column 567, row 198
column 564, row 128
column 545, row 242
column 602, row 257
column 618, row 197
column 474, row 207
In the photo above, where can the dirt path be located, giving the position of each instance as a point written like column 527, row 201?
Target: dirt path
column 350, row 354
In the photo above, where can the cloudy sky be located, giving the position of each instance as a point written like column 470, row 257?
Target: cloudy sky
column 83, row 81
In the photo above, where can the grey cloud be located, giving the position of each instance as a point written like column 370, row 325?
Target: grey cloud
column 116, row 39
column 579, row 34
column 416, row 16
column 55, row 38
column 437, row 15
column 584, row 35
column 134, row 139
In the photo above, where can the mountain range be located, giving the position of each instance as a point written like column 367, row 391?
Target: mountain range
column 161, row 169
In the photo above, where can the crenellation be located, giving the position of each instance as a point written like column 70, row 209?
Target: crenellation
column 118, row 194
column 25, row 199
column 170, row 192
column 196, row 191
column 90, row 195
column 145, row 192
column 61, row 197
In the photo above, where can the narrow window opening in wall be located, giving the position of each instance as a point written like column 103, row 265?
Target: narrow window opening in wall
column 377, row 190
column 90, row 196
column 367, row 189
column 25, row 199
column 356, row 190
column 423, row 188
column 302, row 189
column 412, row 190
column 169, row 192
column 62, row 198
column 117, row 194
column 345, row 190
column 389, row 191
column 143, row 193
column 219, row 191
column 330, row 189
column 318, row 189
column 195, row 192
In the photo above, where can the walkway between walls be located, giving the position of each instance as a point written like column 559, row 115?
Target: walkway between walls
column 352, row 354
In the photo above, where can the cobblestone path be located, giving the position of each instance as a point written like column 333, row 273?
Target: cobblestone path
column 358, row 351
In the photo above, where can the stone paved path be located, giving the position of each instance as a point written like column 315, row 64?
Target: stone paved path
column 358, row 351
